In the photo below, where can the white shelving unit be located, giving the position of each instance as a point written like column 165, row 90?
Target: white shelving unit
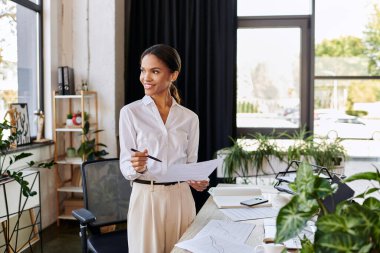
column 68, row 178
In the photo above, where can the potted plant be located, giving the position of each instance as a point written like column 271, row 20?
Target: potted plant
column 263, row 156
column 236, row 161
column 7, row 160
column 265, row 153
column 354, row 225
column 69, row 120
column 302, row 146
column 88, row 148
column 244, row 160
column 330, row 154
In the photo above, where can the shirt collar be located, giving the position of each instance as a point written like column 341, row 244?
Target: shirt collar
column 147, row 100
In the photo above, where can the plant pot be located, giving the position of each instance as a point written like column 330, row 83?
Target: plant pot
column 339, row 167
column 69, row 123
column 259, row 180
column 71, row 152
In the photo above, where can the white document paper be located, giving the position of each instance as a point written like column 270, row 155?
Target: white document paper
column 213, row 244
column 232, row 231
column 220, row 236
column 240, row 214
column 191, row 171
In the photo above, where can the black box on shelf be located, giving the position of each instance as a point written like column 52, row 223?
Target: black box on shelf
column 68, row 81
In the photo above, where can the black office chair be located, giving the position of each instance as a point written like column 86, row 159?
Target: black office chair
column 106, row 199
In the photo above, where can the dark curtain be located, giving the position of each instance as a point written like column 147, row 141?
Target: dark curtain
column 204, row 33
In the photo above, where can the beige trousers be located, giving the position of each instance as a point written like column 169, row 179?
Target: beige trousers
column 158, row 216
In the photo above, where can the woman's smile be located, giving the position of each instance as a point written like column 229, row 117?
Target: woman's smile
column 148, row 86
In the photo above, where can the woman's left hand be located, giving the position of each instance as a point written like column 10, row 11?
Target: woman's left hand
column 199, row 185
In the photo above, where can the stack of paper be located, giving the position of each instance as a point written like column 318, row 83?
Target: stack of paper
column 230, row 197
column 220, row 236
column 240, row 214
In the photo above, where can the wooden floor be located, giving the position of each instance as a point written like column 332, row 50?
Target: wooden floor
column 62, row 239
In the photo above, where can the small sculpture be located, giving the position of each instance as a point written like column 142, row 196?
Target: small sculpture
column 40, row 127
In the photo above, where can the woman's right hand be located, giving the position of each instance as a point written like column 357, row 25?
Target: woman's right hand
column 138, row 160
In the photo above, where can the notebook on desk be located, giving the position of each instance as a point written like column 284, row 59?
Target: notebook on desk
column 231, row 196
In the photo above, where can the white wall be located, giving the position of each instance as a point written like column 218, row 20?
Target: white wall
column 92, row 42
column 89, row 36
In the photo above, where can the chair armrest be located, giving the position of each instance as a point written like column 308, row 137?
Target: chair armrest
column 83, row 215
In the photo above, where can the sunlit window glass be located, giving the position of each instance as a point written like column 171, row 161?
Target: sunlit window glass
column 268, row 77
column 347, row 69
column 273, row 7
column 19, row 54
column 349, row 47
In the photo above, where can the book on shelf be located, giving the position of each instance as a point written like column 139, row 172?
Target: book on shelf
column 60, row 81
column 231, row 196
column 68, row 81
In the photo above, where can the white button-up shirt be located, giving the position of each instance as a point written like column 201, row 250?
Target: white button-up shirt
column 141, row 127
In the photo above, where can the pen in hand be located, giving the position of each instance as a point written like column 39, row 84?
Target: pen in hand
column 151, row 157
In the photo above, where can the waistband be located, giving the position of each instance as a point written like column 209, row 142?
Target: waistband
column 155, row 183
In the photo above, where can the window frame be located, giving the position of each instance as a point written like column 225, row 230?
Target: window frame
column 37, row 8
column 305, row 23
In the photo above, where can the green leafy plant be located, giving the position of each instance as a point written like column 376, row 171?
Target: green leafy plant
column 243, row 163
column 266, row 148
column 351, row 227
column 89, row 148
column 302, row 147
column 236, row 161
column 329, row 153
column 243, row 159
column 7, row 160
column 69, row 116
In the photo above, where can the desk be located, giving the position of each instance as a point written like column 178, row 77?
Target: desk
column 210, row 211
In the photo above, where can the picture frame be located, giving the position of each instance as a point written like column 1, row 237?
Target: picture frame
column 20, row 119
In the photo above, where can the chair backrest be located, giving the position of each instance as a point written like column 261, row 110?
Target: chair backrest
column 106, row 192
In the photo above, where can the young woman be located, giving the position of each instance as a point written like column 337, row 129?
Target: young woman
column 157, row 125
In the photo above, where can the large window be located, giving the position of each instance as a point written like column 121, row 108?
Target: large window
column 347, row 69
column 21, row 56
column 273, row 66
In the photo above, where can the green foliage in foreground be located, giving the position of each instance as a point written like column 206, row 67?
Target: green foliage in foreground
column 352, row 227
